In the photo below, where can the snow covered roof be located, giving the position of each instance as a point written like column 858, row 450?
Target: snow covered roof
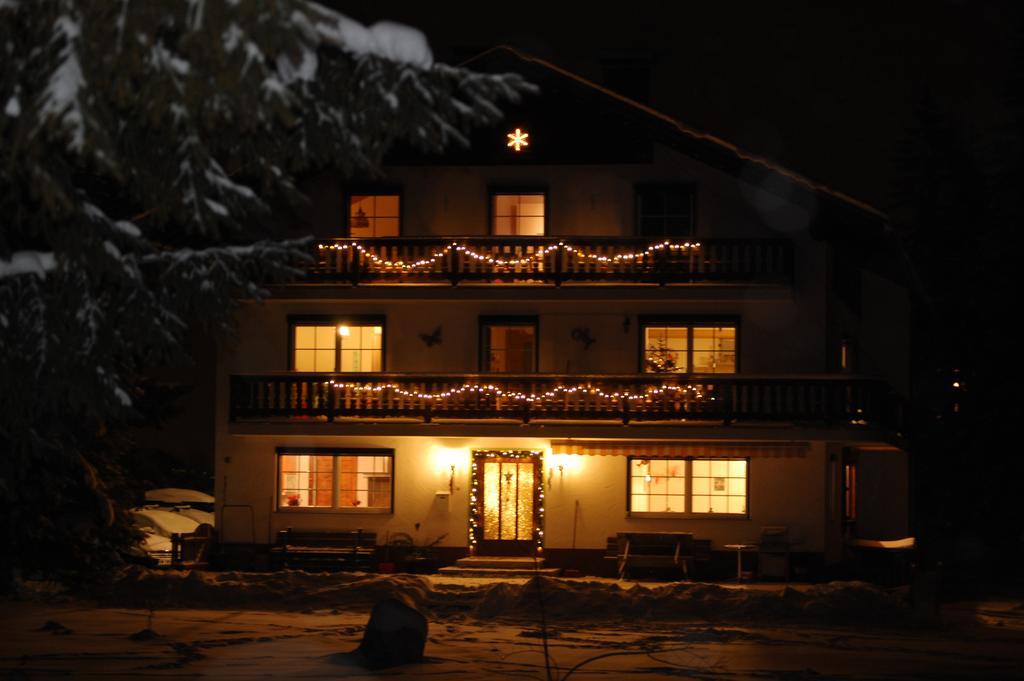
column 176, row 495
column 703, row 146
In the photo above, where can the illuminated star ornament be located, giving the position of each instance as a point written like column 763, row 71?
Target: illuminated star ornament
column 517, row 139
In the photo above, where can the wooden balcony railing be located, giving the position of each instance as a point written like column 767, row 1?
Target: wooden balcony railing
column 550, row 260
column 828, row 399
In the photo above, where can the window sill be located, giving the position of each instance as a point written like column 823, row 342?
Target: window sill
column 334, row 511
column 688, row 516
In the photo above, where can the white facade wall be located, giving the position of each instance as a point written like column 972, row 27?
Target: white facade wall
column 787, row 491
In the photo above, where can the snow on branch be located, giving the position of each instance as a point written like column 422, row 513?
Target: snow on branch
column 28, row 262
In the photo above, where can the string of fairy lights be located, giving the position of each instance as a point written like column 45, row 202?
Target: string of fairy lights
column 539, row 254
column 489, row 389
column 476, row 485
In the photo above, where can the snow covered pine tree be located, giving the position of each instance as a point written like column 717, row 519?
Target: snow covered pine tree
column 146, row 149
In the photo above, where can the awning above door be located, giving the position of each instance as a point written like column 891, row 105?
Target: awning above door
column 677, row 448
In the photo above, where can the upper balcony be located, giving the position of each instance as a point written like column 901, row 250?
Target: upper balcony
column 550, row 261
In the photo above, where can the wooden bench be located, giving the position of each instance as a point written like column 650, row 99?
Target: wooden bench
column 671, row 551
column 699, row 564
column 320, row 551
column 193, row 549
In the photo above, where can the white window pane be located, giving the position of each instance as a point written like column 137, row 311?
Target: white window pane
column 701, row 467
column 737, row 486
column 719, row 486
column 677, row 468
column 304, row 360
column 366, row 336
column 531, row 226
column 638, row 467
column 701, row 504
column 385, row 227
column 659, row 467
column 737, row 505
column 325, row 336
column 676, row 486
column 305, row 336
column 676, row 503
column 531, row 204
column 505, row 204
column 361, row 230
column 386, row 206
column 350, row 360
column 638, row 485
column 361, row 206
column 701, row 485
column 639, row 503
column 325, row 360
column 719, row 468
column 366, row 360
column 657, row 504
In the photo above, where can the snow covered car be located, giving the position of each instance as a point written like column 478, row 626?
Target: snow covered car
column 157, row 525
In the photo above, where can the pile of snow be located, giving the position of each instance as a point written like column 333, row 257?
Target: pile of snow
column 564, row 600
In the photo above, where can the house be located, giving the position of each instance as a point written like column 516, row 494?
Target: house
column 593, row 320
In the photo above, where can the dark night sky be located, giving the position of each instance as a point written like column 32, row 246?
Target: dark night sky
column 827, row 90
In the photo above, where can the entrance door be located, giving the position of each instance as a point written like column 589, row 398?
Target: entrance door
column 507, row 503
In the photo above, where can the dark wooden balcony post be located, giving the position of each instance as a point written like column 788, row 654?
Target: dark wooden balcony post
column 453, row 262
column 354, row 264
column 556, row 271
column 329, row 396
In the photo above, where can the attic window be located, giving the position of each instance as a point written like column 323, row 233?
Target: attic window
column 520, row 214
column 664, row 210
column 374, row 215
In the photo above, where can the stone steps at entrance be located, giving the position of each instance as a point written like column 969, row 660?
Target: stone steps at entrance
column 498, row 566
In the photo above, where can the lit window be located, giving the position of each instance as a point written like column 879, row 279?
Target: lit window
column 671, row 348
column 374, row 215
column 346, row 346
column 307, row 481
column 509, row 347
column 692, row 486
column 360, row 347
column 518, row 214
column 666, row 349
column 719, row 486
column 337, row 481
column 658, row 485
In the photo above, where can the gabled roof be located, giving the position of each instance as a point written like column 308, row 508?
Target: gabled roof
column 835, row 209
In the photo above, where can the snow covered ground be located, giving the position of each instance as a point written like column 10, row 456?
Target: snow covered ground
column 292, row 625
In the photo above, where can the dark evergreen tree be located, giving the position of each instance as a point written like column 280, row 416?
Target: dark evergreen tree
column 145, row 148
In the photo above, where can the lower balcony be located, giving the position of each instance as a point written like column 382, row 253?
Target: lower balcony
column 832, row 400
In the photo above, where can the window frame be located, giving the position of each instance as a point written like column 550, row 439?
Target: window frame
column 371, row 190
column 688, row 187
column 645, row 321
column 485, row 321
column 515, row 190
column 336, row 453
column 325, row 320
column 688, row 495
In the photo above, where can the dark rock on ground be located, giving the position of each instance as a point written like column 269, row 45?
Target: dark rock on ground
column 396, row 634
